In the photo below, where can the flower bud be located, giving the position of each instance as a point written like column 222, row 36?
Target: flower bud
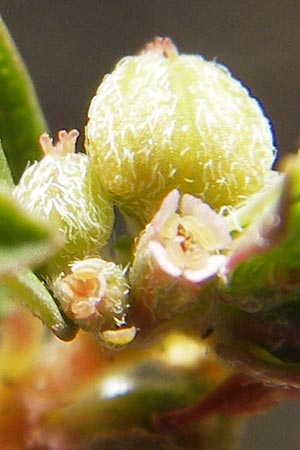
column 63, row 190
column 162, row 120
column 95, row 296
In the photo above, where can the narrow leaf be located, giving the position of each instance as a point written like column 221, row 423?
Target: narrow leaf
column 21, row 119
column 27, row 289
column 5, row 174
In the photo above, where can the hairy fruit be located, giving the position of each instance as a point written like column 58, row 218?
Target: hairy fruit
column 162, row 120
column 63, row 190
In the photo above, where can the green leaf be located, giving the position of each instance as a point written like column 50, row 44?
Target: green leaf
column 266, row 259
column 27, row 289
column 5, row 301
column 144, row 389
column 5, row 174
column 21, row 119
column 24, row 242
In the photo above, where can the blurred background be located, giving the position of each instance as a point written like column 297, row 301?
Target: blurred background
column 69, row 45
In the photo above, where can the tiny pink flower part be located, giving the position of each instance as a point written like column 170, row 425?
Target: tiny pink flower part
column 186, row 236
column 87, row 286
column 66, row 142
column 161, row 46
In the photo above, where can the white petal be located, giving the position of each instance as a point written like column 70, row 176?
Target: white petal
column 86, row 268
column 211, row 268
column 168, row 207
column 161, row 256
column 208, row 218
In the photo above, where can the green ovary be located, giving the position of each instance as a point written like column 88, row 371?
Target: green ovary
column 157, row 124
column 64, row 192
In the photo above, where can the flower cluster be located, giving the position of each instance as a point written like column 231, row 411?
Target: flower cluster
column 211, row 251
column 174, row 157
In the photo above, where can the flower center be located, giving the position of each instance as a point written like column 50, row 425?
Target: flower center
column 188, row 244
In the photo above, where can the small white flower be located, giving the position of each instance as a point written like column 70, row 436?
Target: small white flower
column 185, row 238
column 83, row 290
column 95, row 295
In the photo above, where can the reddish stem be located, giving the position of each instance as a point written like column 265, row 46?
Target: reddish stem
column 238, row 394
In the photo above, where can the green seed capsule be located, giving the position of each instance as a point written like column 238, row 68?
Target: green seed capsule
column 63, row 190
column 162, row 120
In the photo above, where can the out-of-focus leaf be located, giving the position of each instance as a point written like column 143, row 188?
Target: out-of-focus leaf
column 132, row 440
column 126, row 399
column 5, row 174
column 21, row 340
column 21, row 119
column 24, row 242
column 266, row 260
column 258, row 320
column 273, row 336
column 131, row 390
column 28, row 290
column 5, row 301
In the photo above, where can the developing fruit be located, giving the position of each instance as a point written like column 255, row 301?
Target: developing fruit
column 63, row 190
column 162, row 120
